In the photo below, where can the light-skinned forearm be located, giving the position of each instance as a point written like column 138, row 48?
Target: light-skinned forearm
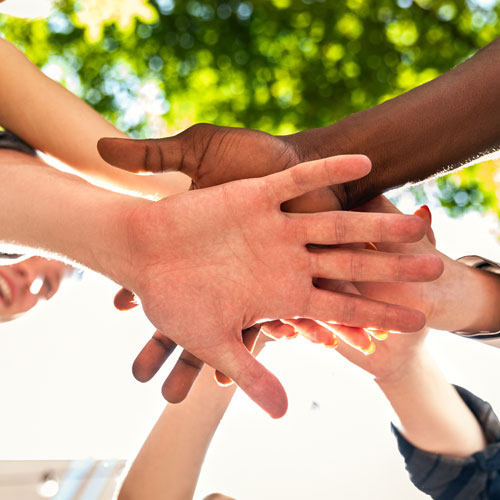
column 169, row 462
column 432, row 415
column 437, row 126
column 477, row 305
column 465, row 299
column 51, row 119
column 50, row 211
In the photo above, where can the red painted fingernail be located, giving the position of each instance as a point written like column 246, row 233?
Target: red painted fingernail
column 425, row 207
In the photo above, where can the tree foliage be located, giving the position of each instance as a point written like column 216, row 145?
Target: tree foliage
column 153, row 67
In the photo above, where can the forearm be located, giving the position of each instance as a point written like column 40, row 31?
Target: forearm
column 437, row 126
column 432, row 415
column 54, row 121
column 169, row 463
column 462, row 299
column 47, row 210
column 474, row 306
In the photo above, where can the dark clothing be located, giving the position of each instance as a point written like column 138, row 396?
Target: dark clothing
column 10, row 141
column 449, row 478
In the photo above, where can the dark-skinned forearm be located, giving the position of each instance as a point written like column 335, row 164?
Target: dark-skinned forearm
column 436, row 127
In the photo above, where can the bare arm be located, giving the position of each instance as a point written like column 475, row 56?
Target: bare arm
column 438, row 126
column 431, row 414
column 58, row 213
column 179, row 441
column 169, row 462
column 54, row 121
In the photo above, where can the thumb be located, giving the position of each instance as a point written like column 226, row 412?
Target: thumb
column 425, row 214
column 125, row 300
column 249, row 338
column 148, row 155
column 255, row 380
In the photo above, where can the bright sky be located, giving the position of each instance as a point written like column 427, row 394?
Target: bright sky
column 27, row 8
column 67, row 392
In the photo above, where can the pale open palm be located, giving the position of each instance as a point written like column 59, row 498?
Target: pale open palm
column 211, row 155
column 210, row 263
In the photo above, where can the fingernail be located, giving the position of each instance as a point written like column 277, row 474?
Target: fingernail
column 380, row 335
column 425, row 207
column 370, row 349
column 225, row 383
column 332, row 343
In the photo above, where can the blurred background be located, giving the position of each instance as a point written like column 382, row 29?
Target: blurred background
column 156, row 67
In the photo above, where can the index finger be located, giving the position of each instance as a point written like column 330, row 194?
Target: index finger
column 312, row 175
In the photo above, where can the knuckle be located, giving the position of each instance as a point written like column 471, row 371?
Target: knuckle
column 340, row 228
column 297, row 179
column 197, row 129
column 349, row 311
column 379, row 229
column 398, row 268
column 306, row 328
column 385, row 317
column 191, row 361
column 356, row 267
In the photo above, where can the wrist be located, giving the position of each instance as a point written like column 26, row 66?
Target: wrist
column 465, row 299
column 406, row 373
column 116, row 259
column 103, row 242
column 72, row 219
column 481, row 302
column 93, row 226
column 431, row 414
column 333, row 140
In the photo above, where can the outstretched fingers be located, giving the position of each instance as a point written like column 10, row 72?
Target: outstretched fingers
column 312, row 175
column 318, row 330
column 334, row 228
column 366, row 265
column 182, row 377
column 313, row 332
column 153, row 355
column 278, row 330
column 358, row 311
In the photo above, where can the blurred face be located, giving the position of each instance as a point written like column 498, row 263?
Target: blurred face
column 23, row 284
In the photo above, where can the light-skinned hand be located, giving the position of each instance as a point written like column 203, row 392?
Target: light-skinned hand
column 210, row 263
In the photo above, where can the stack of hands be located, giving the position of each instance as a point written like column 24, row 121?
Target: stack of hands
column 209, row 264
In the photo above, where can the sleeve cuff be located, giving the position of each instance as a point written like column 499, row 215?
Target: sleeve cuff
column 490, row 267
column 448, row 477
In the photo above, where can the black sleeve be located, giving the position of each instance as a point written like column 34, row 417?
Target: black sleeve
column 475, row 477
